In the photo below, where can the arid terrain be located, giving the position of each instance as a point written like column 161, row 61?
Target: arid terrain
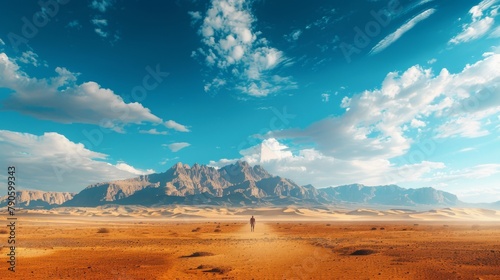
column 58, row 246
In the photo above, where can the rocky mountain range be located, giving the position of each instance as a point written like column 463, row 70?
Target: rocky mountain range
column 39, row 199
column 237, row 184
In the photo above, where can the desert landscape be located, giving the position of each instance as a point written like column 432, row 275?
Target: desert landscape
column 116, row 242
column 139, row 138
column 193, row 223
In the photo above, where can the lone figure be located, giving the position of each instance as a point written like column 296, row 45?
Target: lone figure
column 252, row 223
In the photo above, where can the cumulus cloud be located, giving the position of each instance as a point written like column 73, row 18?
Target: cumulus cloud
column 310, row 166
column 461, row 105
column 51, row 162
column 60, row 99
column 176, row 126
column 480, row 25
column 175, row 147
column 393, row 37
column 232, row 46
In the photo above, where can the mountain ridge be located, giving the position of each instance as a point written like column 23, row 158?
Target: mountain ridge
column 237, row 184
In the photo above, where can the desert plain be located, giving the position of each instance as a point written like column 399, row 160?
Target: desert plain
column 288, row 243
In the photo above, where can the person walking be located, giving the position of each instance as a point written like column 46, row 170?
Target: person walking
column 252, row 224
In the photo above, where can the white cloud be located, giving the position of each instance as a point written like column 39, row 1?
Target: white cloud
column 431, row 61
column 470, row 173
column 2, row 43
column 457, row 105
column 480, row 24
column 462, row 127
column 101, row 32
column 176, row 126
column 325, row 97
column 478, row 10
column 74, row 24
column 101, row 25
column 473, row 31
column 175, row 147
column 309, row 166
column 294, row 36
column 153, row 131
column 495, row 33
column 101, row 5
column 52, row 162
column 130, row 169
column 99, row 22
column 216, row 83
column 417, row 123
column 29, row 57
column 232, row 46
column 60, row 99
column 466, row 150
column 195, row 16
column 391, row 38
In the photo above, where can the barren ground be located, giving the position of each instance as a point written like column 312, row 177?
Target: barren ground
column 72, row 248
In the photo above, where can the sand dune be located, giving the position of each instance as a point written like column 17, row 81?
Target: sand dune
column 269, row 213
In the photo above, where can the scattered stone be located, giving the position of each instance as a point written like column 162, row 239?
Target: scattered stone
column 220, row 270
column 198, row 254
column 201, row 266
column 103, row 230
column 362, row 252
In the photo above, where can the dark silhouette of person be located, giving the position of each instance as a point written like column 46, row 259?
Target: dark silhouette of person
column 252, row 223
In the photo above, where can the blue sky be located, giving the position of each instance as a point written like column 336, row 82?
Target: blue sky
column 322, row 92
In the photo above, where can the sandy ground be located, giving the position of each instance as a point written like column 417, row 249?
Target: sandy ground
column 51, row 247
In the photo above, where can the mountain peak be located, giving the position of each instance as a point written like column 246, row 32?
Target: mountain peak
column 242, row 163
column 180, row 165
column 241, row 171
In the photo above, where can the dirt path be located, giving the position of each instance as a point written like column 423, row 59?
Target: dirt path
column 242, row 254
